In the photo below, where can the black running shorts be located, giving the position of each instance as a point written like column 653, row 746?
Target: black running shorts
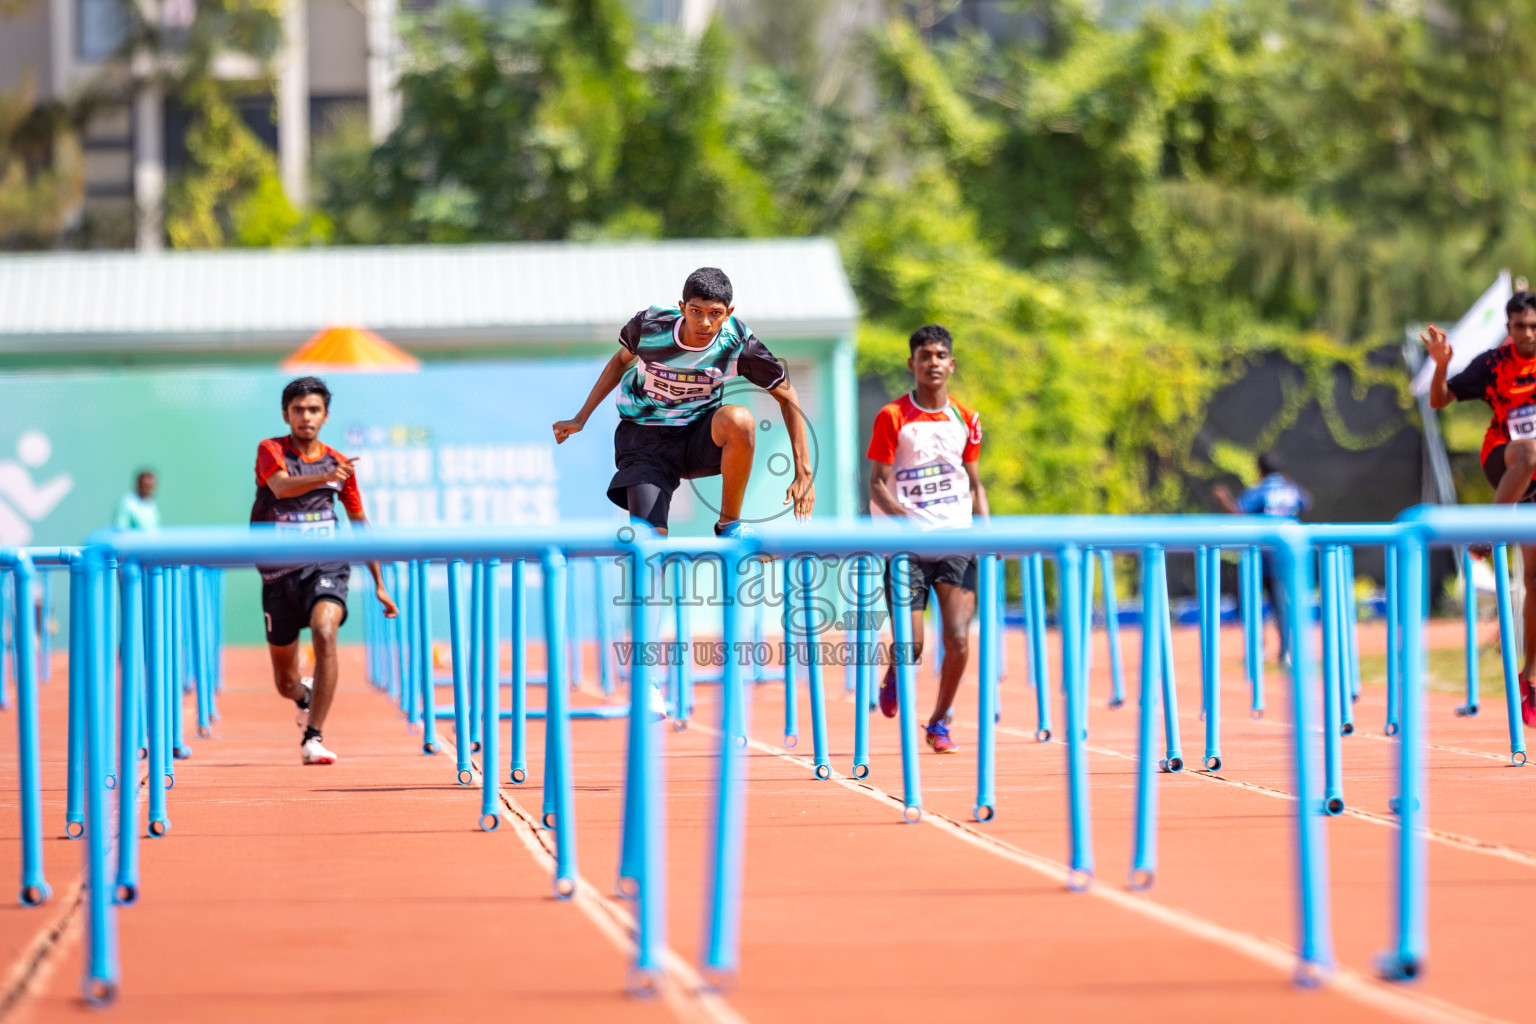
column 1493, row 469
column 664, row 456
column 288, row 600
column 923, row 573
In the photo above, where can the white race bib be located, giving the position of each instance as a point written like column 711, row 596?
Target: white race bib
column 666, row 384
column 936, row 483
column 1522, row 423
column 317, row 527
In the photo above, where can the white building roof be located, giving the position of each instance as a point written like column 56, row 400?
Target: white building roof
column 423, row 296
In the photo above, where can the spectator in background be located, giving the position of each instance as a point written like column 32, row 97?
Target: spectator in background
column 137, row 510
column 1274, row 495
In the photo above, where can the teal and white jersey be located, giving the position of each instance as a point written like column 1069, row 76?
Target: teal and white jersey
column 672, row 384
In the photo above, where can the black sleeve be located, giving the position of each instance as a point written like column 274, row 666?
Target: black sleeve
column 629, row 334
column 1475, row 381
column 758, row 365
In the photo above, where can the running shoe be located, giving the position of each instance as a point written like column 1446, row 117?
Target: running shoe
column 1528, row 703
column 735, row 530
column 888, row 702
column 938, row 739
column 314, row 752
column 658, row 703
column 302, row 718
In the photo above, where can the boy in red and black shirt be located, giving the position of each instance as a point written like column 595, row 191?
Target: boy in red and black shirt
column 297, row 480
column 1505, row 378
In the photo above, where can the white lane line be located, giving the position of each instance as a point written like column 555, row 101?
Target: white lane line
column 1411, row 1006
column 684, row 990
column 1454, row 839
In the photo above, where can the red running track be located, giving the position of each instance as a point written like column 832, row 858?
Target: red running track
column 366, row 891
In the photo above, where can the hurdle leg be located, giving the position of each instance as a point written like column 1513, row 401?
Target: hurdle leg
column 1315, row 938
column 865, row 636
column 1506, row 648
column 130, row 681
column 1210, row 648
column 986, row 690
column 1144, row 848
column 101, row 967
column 1410, row 898
column 157, row 680
column 1071, row 561
column 1351, row 627
column 34, row 886
column 1394, row 642
column 1173, row 760
column 198, row 649
column 906, row 684
column 1039, row 664
column 456, row 643
column 1343, row 589
column 178, row 658
column 814, row 668
column 490, row 683
column 631, row 856
column 1333, row 753
column 725, row 856
column 791, row 708
column 477, row 650
column 1469, row 614
column 1112, row 628
column 519, row 770
column 74, row 785
column 1251, row 570
column 557, row 725
column 683, row 669
column 604, row 652
column 424, row 657
column 645, row 786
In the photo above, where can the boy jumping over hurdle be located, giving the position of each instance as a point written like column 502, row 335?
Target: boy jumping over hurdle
column 923, row 459
column 670, row 370
column 298, row 478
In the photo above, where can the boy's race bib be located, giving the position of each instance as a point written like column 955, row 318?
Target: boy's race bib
column 1522, row 423
column 931, row 484
column 668, row 385
column 309, row 524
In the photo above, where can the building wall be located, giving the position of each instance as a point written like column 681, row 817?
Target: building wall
column 25, row 50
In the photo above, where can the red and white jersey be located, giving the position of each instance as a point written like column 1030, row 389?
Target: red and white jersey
column 928, row 449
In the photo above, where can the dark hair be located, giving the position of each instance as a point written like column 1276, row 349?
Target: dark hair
column 709, row 284
column 301, row 386
column 141, row 474
column 1519, row 303
column 1269, row 463
column 930, row 333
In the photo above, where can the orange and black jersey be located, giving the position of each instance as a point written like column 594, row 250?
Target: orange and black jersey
column 311, row 512
column 1505, row 381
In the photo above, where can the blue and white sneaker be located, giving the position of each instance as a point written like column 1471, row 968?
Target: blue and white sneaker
column 735, row 530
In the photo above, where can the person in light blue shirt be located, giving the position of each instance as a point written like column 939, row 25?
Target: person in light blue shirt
column 137, row 509
column 1274, row 495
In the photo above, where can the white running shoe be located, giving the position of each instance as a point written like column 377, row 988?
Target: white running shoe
column 302, row 717
column 658, row 703
column 315, row 753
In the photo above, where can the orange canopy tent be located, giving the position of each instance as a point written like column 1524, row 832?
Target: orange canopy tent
column 345, row 347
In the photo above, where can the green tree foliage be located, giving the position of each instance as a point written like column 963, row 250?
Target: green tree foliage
column 1115, row 219
column 228, row 191
column 41, row 173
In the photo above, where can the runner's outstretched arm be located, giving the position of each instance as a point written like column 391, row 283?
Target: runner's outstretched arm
column 1439, row 349
column 284, row 485
column 359, row 522
column 609, row 379
column 802, row 490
